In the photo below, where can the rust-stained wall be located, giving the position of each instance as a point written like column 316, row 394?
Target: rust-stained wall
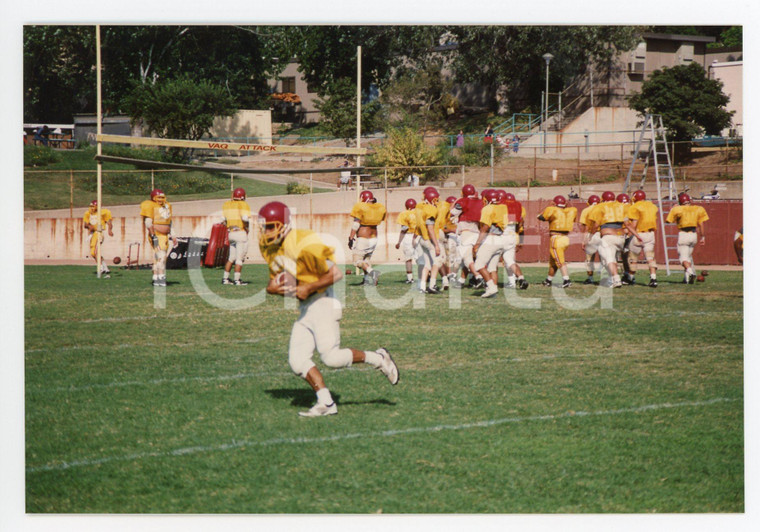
column 66, row 238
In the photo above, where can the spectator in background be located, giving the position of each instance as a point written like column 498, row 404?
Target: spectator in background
column 42, row 134
column 488, row 135
column 345, row 176
column 460, row 139
column 515, row 143
column 413, row 180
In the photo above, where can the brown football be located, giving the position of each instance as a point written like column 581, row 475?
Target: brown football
column 705, row 273
column 116, row 260
column 701, row 278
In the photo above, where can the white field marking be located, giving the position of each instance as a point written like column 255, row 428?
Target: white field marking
column 138, row 346
column 234, row 444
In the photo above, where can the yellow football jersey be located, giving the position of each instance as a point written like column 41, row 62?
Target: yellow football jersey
column 495, row 214
column 443, row 215
column 424, row 212
column 235, row 213
column 560, row 219
column 407, row 218
column 302, row 254
column 687, row 215
column 583, row 219
column 368, row 213
column 608, row 212
column 105, row 217
column 646, row 213
column 146, row 208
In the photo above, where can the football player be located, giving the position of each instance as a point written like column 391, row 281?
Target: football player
column 453, row 261
column 610, row 217
column 467, row 212
column 515, row 228
column 237, row 214
column 302, row 266
column 739, row 245
column 590, row 241
column 157, row 217
column 426, row 234
column 367, row 214
column 442, row 220
column 90, row 220
column 492, row 242
column 408, row 222
column 690, row 219
column 643, row 217
column 561, row 219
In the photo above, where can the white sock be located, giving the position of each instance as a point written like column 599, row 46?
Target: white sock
column 511, row 279
column 324, row 397
column 226, row 275
column 491, row 284
column 409, row 277
column 373, row 359
column 445, row 281
column 237, row 276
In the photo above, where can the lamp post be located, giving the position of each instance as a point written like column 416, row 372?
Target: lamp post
column 548, row 58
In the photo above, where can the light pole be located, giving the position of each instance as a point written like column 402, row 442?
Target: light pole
column 548, row 58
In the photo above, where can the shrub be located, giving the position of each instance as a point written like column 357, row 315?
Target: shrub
column 40, row 155
column 294, row 187
column 405, row 149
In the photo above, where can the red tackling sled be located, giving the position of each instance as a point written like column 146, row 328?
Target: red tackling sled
column 218, row 246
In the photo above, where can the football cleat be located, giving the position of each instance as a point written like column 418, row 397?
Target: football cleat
column 432, row 290
column 653, row 283
column 490, row 292
column 374, row 276
column 617, row 284
column 522, row 284
column 479, row 283
column 320, row 409
column 588, row 280
column 388, row 366
column 692, row 278
column 628, row 280
column 409, row 281
column 566, row 283
column 546, row 282
column 227, row 281
column 239, row 283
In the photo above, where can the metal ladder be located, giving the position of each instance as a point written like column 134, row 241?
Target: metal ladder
column 653, row 141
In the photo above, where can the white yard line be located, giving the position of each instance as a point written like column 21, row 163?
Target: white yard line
column 235, row 444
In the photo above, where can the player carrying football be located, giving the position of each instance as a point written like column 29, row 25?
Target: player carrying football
column 90, row 220
column 367, row 214
column 302, row 266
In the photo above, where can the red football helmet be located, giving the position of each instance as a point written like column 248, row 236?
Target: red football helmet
column 490, row 196
column 593, row 199
column 623, row 198
column 156, row 192
column 451, row 200
column 608, row 196
column 274, row 223
column 684, row 198
column 238, row 194
column 501, row 196
column 366, row 196
column 410, row 204
column 94, row 203
column 639, row 195
column 560, row 201
column 510, row 196
column 468, row 191
column 430, row 194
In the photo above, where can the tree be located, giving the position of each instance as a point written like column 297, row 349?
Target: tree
column 690, row 103
column 338, row 108
column 179, row 109
column 509, row 58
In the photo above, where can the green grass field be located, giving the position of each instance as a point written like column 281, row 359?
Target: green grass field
column 190, row 408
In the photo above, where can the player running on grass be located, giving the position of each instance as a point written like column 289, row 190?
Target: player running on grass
column 302, row 266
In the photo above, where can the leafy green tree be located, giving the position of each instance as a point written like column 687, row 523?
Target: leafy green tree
column 59, row 72
column 420, row 99
column 509, row 58
column 690, row 103
column 179, row 108
column 338, row 109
